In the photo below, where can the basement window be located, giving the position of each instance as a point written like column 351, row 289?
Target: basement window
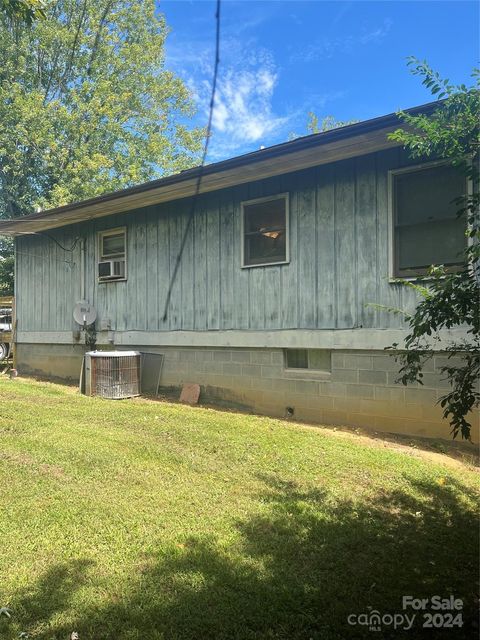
column 426, row 228
column 112, row 255
column 311, row 359
column 265, row 231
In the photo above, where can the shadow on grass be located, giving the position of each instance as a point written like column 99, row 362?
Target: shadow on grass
column 35, row 606
column 300, row 567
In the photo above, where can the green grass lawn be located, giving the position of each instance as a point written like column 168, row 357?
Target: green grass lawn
column 142, row 519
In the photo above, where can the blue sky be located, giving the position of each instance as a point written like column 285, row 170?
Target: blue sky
column 281, row 59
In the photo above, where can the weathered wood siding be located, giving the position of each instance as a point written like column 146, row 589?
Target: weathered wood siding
column 338, row 261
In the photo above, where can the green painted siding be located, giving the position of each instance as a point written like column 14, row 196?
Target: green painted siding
column 338, row 261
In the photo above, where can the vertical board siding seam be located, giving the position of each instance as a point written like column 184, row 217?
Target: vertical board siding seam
column 169, row 269
column 92, row 247
column 264, row 191
column 48, row 280
column 194, row 247
column 68, row 269
column 376, row 314
column 134, row 231
column 30, row 269
column 29, row 306
column 145, row 224
column 33, row 316
column 208, row 245
column 37, row 262
column 43, row 299
column 155, row 222
column 281, row 270
column 17, row 277
column 111, row 288
column 161, row 255
column 29, row 265
column 315, row 251
column 281, row 314
column 335, row 248
column 52, row 285
column 297, row 261
column 231, row 317
column 179, row 320
column 249, row 271
column 251, row 275
column 177, row 284
column 358, row 315
column 38, row 296
column 233, row 257
column 194, row 257
column 184, row 270
column 207, row 287
column 45, row 277
column 220, row 262
column 400, row 161
column 49, row 255
column 211, row 270
column 212, row 318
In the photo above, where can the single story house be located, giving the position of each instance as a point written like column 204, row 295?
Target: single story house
column 277, row 303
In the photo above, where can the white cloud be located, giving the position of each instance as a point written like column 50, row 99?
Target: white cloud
column 243, row 105
column 246, row 114
column 326, row 48
column 243, row 117
column 376, row 34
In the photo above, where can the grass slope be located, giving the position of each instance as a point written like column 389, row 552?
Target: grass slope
column 140, row 519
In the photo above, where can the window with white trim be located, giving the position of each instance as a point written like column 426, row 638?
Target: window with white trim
column 265, row 231
column 112, row 255
column 426, row 228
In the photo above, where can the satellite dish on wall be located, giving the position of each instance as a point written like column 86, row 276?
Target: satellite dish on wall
column 84, row 313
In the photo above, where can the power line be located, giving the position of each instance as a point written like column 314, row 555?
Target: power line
column 200, row 171
column 46, row 235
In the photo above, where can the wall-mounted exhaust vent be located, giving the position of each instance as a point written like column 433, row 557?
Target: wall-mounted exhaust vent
column 112, row 374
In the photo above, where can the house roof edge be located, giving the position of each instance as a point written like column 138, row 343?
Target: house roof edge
column 72, row 213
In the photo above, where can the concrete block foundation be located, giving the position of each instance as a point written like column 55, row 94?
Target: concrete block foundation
column 360, row 390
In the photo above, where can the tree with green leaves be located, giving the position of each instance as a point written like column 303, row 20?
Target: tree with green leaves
column 26, row 11
column 314, row 125
column 448, row 300
column 87, row 105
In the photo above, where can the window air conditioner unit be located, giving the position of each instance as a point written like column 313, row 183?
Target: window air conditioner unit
column 111, row 269
column 112, row 374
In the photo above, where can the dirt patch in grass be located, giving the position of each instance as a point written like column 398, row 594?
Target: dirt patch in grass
column 26, row 460
column 456, row 455
column 452, row 453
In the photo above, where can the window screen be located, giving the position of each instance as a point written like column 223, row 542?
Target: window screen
column 427, row 229
column 265, row 232
column 112, row 244
column 315, row 359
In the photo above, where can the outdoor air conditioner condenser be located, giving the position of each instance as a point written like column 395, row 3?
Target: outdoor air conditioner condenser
column 112, row 374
